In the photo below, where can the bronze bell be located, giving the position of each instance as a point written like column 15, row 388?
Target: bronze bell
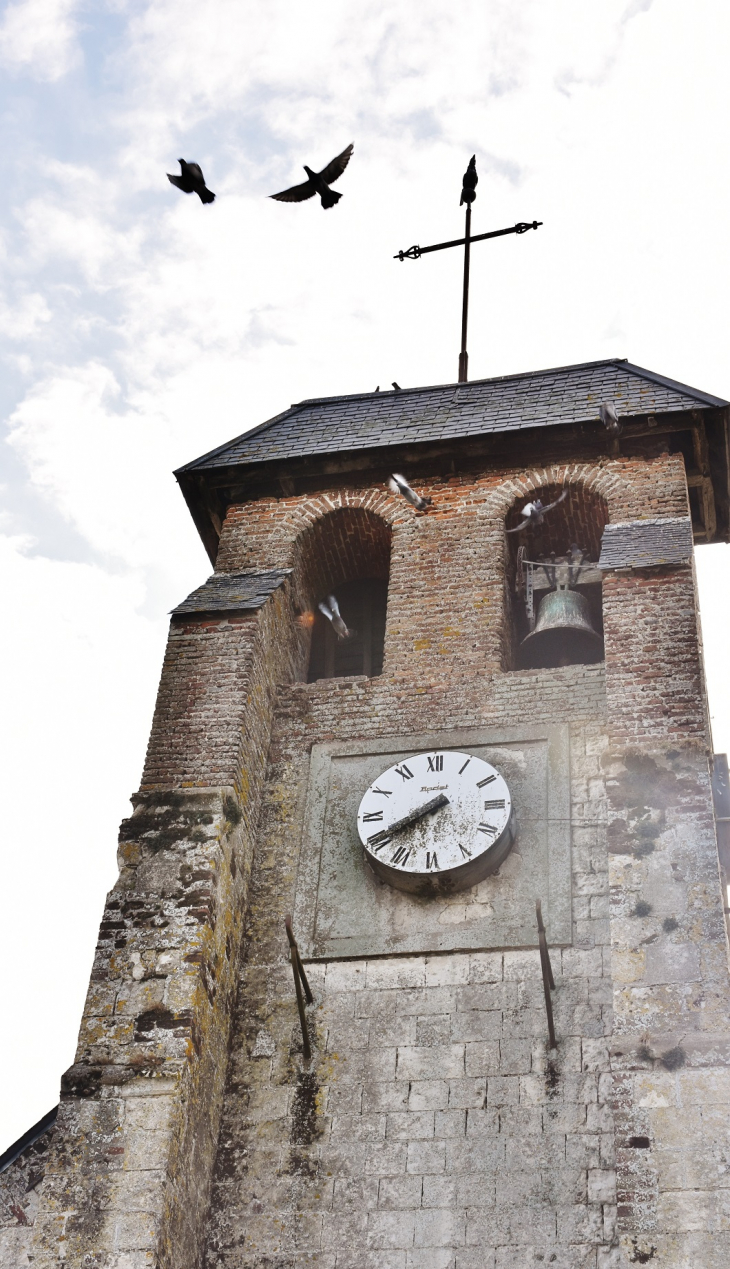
column 563, row 633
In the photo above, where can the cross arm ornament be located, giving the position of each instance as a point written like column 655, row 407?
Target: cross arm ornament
column 468, row 195
column 415, row 253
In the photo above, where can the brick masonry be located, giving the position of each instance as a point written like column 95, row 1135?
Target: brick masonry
column 434, row 1128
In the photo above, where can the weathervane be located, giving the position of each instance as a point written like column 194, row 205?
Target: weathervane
column 468, row 194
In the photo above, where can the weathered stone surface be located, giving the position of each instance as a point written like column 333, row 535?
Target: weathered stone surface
column 434, row 1128
column 341, row 907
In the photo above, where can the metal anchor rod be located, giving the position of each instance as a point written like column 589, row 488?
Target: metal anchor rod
column 300, row 981
column 548, row 981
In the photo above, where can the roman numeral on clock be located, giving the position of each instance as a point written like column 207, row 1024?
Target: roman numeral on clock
column 400, row 856
column 404, row 772
column 378, row 840
column 486, row 780
column 373, row 815
column 436, row 763
column 384, row 793
column 431, row 860
column 497, row 805
column 466, row 764
column 465, row 851
column 489, row 829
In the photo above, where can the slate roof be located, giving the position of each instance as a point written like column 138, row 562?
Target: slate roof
column 233, row 592
column 645, row 543
column 568, row 394
column 28, row 1138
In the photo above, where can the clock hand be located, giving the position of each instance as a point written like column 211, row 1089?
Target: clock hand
column 413, row 816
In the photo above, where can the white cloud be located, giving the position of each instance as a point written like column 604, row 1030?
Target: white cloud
column 40, row 36
column 25, row 318
column 155, row 328
column 76, row 710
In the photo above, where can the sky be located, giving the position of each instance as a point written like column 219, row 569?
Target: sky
column 140, row 329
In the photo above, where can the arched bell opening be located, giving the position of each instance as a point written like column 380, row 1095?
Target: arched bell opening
column 555, row 609
column 345, row 554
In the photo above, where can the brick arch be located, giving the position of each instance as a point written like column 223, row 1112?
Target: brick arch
column 344, row 544
column 580, row 518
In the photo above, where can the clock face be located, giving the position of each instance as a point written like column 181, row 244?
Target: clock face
column 436, row 822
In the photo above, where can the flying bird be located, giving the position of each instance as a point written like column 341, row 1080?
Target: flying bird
column 318, row 182
column 609, row 417
column 469, row 182
column 576, row 560
column 331, row 610
column 400, row 485
column 191, row 181
column 534, row 512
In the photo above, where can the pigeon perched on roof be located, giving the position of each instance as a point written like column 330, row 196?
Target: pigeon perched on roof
column 331, row 610
column 469, row 182
column 192, row 181
column 318, row 182
column 400, row 485
column 534, row 512
column 609, row 417
column 396, row 387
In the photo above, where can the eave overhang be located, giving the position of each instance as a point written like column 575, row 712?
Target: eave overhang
column 490, row 419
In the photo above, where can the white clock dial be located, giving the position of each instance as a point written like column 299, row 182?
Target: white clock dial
column 436, row 821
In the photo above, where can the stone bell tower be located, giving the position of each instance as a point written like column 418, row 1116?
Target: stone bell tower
column 544, row 686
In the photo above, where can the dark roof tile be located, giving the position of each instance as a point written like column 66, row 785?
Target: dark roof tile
column 570, row 394
column 646, row 543
column 232, row 592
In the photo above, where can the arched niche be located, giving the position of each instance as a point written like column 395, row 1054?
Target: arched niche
column 579, row 520
column 345, row 552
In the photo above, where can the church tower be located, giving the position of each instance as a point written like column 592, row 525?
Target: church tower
column 500, row 708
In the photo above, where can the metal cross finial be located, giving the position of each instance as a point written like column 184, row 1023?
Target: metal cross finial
column 468, row 195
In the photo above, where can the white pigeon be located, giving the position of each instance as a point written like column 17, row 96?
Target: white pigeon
column 534, row 512
column 331, row 610
column 400, row 485
column 609, row 417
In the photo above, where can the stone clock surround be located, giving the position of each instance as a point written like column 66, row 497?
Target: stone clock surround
column 141, row 1104
column 343, row 910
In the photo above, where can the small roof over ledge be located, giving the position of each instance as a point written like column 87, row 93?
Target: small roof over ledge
column 325, row 434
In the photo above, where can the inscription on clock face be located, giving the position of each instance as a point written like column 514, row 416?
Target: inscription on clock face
column 444, row 821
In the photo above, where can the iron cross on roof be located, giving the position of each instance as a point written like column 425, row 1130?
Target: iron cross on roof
column 468, row 194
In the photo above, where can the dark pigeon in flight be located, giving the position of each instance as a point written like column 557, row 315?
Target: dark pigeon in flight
column 318, row 182
column 191, row 181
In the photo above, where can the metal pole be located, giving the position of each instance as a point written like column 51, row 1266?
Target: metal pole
column 548, row 981
column 297, row 959
column 295, row 949
column 299, row 978
column 463, row 355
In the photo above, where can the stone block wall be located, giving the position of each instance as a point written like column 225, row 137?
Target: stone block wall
column 434, row 1127
column 429, row 1071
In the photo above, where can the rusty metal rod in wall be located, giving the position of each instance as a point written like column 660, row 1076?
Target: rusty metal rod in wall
column 300, row 982
column 295, row 949
column 548, row 981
